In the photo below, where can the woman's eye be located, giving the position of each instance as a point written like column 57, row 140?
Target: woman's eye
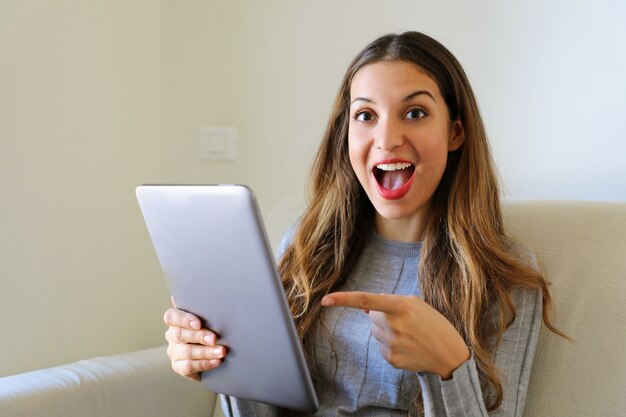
column 416, row 114
column 364, row 116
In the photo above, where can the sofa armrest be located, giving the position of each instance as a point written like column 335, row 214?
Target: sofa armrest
column 133, row 384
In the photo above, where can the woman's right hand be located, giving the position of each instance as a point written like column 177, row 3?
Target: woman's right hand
column 191, row 349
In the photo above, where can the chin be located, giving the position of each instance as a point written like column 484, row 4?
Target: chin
column 406, row 208
column 393, row 212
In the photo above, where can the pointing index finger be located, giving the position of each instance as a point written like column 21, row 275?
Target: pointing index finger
column 384, row 303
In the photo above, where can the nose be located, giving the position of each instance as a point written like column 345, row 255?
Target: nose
column 388, row 135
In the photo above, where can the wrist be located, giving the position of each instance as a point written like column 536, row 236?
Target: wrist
column 452, row 361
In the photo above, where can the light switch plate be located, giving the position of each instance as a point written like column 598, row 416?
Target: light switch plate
column 218, row 143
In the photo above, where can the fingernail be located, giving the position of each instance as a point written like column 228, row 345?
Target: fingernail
column 214, row 362
column 327, row 301
column 209, row 339
column 218, row 351
column 194, row 324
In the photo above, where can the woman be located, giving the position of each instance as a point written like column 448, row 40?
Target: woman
column 404, row 229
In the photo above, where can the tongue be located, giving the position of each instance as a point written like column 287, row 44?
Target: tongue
column 392, row 180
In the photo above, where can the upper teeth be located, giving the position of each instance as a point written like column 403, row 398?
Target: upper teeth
column 394, row 166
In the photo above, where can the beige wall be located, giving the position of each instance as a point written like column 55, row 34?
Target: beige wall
column 548, row 77
column 79, row 122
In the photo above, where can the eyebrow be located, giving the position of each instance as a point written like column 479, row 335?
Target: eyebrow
column 407, row 98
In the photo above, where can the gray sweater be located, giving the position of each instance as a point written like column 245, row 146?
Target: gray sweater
column 364, row 384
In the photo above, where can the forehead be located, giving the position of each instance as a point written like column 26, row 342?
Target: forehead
column 390, row 78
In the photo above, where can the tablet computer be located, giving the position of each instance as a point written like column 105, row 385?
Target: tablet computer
column 214, row 252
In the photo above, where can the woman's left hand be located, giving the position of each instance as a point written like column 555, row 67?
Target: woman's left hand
column 412, row 334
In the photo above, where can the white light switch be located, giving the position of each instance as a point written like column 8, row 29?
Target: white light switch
column 218, row 143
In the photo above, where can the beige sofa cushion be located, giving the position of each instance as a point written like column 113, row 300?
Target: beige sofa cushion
column 582, row 246
column 134, row 384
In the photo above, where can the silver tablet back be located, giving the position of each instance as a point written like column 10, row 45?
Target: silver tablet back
column 214, row 251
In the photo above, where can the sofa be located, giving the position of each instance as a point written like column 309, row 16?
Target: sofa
column 582, row 248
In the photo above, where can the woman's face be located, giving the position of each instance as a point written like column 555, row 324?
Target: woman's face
column 399, row 137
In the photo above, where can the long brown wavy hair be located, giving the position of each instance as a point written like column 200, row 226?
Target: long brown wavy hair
column 466, row 267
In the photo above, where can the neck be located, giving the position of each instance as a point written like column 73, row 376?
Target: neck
column 406, row 229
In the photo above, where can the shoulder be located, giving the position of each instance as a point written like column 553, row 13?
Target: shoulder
column 521, row 253
column 526, row 298
column 527, row 258
column 287, row 239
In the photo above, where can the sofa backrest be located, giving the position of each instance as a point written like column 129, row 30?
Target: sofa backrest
column 582, row 247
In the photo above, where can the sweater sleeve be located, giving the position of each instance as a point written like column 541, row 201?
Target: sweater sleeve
column 238, row 407
column 226, row 405
column 461, row 396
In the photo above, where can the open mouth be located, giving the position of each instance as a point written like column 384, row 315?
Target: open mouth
column 394, row 175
